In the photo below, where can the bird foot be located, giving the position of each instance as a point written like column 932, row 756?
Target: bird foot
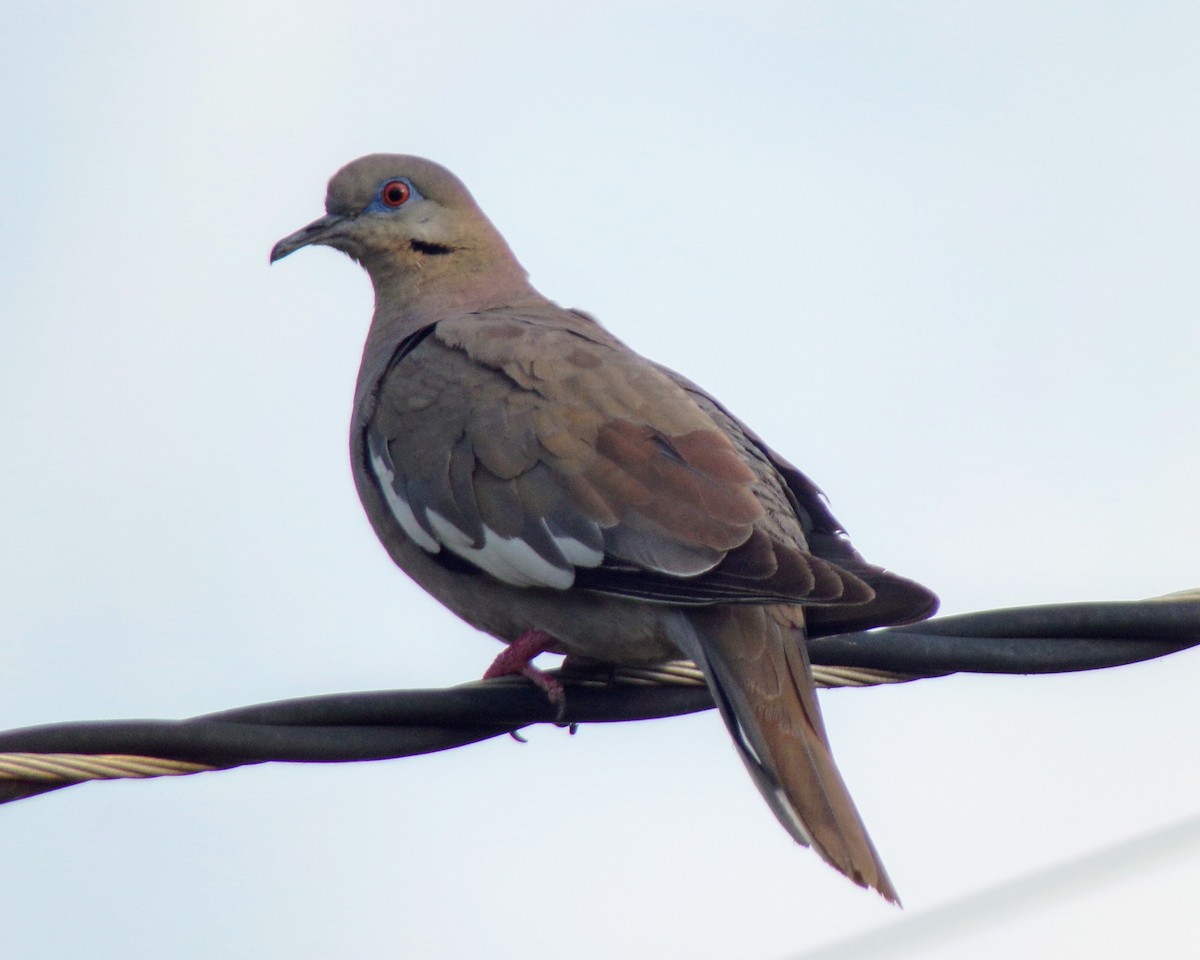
column 514, row 661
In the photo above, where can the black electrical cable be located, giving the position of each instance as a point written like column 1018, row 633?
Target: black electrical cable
column 387, row 724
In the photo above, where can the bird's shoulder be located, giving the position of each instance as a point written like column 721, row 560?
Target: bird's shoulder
column 564, row 359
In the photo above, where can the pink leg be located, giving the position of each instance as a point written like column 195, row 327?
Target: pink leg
column 514, row 660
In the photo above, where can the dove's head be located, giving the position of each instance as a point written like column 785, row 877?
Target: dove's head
column 418, row 232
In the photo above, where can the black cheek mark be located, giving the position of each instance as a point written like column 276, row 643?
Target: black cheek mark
column 431, row 249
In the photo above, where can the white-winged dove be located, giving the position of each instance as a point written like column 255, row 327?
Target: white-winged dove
column 558, row 491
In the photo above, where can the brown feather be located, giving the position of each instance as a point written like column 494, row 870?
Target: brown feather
column 758, row 666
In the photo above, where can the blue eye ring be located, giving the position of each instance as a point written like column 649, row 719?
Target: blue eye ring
column 395, row 193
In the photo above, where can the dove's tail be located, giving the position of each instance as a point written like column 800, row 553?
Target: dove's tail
column 757, row 667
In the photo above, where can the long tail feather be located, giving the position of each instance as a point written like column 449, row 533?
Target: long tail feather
column 758, row 670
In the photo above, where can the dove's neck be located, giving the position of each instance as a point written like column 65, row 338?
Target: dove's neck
column 402, row 313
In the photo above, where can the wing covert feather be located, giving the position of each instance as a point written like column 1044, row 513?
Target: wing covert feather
column 503, row 428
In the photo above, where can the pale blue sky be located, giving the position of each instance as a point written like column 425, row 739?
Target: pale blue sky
column 941, row 255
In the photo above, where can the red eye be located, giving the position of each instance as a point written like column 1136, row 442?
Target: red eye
column 395, row 193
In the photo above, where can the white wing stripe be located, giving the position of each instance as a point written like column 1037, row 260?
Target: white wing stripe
column 509, row 559
column 578, row 553
column 399, row 506
column 506, row 558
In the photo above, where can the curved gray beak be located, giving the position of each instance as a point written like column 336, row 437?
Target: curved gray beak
column 319, row 231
